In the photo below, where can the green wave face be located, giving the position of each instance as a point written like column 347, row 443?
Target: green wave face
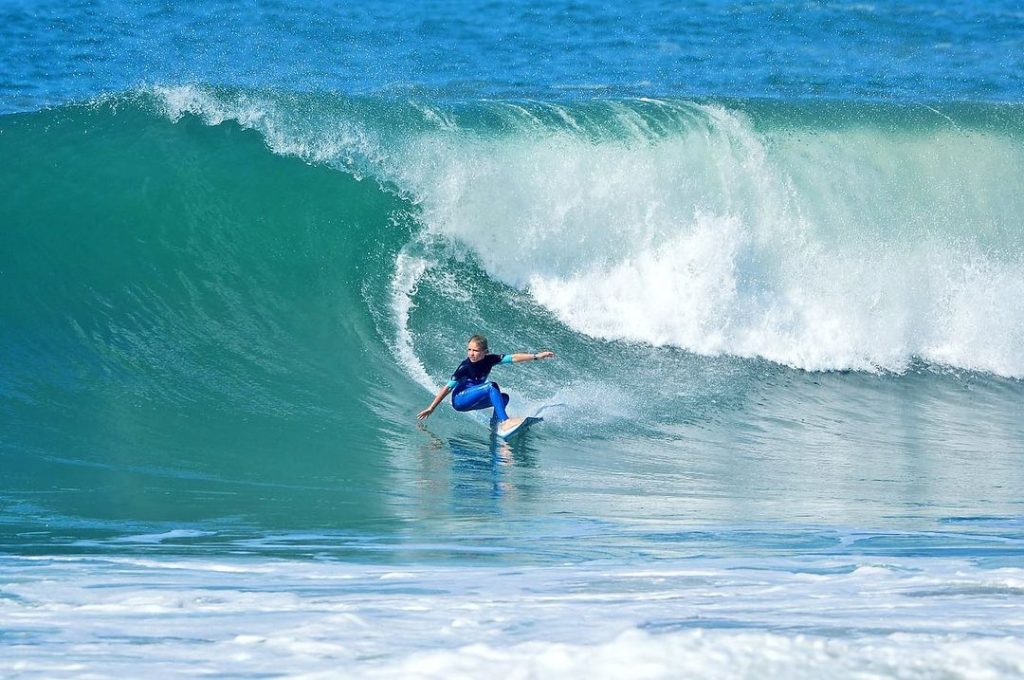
column 185, row 332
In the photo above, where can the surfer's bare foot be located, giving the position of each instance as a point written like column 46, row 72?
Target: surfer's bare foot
column 509, row 424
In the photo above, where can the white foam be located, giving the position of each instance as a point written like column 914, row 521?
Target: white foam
column 409, row 269
column 716, row 618
column 327, row 139
column 721, row 654
column 851, row 250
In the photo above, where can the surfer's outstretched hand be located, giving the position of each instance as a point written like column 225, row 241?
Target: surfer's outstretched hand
column 545, row 355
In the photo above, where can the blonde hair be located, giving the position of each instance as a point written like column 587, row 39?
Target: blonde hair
column 478, row 340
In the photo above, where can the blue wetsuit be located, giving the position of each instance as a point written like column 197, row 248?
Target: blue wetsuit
column 470, row 389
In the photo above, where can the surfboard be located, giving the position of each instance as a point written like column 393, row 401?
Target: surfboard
column 515, row 426
column 521, row 424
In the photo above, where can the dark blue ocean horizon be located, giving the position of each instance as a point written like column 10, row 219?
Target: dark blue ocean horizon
column 54, row 52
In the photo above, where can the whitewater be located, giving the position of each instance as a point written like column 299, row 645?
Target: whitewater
column 778, row 252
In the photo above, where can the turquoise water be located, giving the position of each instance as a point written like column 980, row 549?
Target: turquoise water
column 777, row 250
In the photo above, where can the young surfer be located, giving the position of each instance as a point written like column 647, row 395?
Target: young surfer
column 469, row 386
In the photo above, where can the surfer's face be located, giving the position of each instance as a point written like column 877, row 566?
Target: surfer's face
column 475, row 352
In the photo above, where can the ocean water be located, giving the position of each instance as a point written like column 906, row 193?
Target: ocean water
column 777, row 248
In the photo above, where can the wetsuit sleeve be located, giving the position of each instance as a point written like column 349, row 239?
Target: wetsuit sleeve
column 505, row 359
column 458, row 375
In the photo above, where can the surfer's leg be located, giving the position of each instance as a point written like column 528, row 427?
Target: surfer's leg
column 482, row 396
column 472, row 398
column 499, row 401
column 504, row 399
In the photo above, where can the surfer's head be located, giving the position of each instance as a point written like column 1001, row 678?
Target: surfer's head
column 476, row 348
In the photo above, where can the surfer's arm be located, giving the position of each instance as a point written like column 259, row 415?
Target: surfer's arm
column 526, row 356
column 441, row 394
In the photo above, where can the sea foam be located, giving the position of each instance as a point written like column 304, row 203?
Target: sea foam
column 720, row 238
column 812, row 618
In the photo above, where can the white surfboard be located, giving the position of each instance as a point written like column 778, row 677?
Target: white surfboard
column 514, row 426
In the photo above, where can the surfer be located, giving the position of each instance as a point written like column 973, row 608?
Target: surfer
column 470, row 389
